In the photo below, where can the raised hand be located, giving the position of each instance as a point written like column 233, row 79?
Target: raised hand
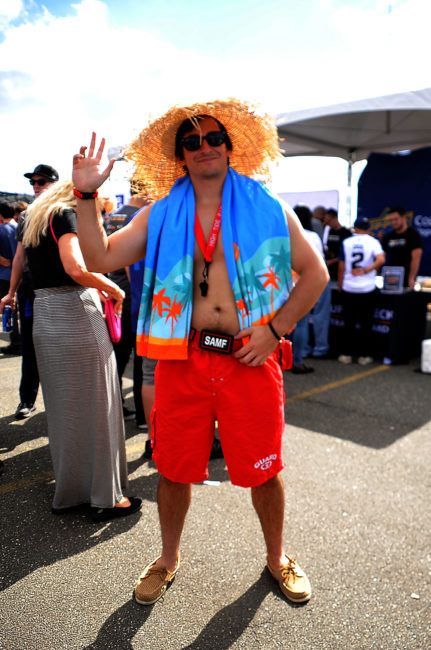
column 86, row 173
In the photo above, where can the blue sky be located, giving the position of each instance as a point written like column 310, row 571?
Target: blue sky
column 69, row 67
column 223, row 28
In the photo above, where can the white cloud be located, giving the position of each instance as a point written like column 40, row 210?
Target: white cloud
column 9, row 10
column 63, row 77
column 60, row 78
column 385, row 44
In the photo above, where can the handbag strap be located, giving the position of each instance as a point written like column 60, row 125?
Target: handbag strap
column 52, row 229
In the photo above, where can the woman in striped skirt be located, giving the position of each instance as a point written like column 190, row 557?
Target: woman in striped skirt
column 76, row 362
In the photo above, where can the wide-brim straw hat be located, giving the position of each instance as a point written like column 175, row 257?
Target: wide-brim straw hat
column 252, row 132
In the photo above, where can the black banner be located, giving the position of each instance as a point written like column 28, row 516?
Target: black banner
column 399, row 179
column 398, row 328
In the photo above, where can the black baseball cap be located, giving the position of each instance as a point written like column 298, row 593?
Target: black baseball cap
column 44, row 170
column 362, row 223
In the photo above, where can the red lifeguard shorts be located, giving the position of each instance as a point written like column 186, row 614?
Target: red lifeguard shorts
column 247, row 402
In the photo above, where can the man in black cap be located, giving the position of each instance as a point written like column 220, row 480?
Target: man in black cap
column 41, row 178
column 359, row 259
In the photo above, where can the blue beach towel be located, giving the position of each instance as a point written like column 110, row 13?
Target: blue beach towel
column 256, row 246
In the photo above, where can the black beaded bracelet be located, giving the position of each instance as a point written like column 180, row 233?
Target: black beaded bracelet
column 271, row 327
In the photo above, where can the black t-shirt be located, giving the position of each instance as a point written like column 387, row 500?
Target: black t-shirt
column 335, row 239
column 44, row 260
column 20, row 228
column 399, row 246
column 120, row 218
column 19, row 235
column 117, row 220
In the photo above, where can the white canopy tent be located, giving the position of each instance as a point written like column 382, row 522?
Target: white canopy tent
column 353, row 130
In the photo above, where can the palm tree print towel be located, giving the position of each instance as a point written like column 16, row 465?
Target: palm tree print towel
column 257, row 251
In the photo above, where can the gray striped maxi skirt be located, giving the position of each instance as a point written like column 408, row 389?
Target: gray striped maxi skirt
column 81, row 391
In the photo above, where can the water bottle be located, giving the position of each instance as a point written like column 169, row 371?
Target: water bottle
column 7, row 319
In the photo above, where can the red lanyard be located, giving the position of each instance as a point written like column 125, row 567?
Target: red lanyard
column 207, row 248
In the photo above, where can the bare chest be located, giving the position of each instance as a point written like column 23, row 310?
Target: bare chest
column 213, row 299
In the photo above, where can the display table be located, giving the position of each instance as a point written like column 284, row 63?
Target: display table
column 398, row 329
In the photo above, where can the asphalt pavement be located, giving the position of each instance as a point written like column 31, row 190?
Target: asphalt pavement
column 358, row 520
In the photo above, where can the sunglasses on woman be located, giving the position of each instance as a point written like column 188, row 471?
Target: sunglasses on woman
column 195, row 141
column 41, row 182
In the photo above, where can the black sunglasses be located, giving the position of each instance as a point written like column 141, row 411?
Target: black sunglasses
column 40, row 182
column 195, row 141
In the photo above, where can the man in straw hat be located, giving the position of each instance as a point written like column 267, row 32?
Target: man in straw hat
column 217, row 296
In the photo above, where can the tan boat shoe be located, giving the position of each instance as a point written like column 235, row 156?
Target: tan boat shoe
column 292, row 580
column 153, row 582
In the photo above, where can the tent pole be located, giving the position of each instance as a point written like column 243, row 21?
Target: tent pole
column 349, row 192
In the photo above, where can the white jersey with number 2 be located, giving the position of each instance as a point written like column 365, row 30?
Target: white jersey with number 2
column 359, row 251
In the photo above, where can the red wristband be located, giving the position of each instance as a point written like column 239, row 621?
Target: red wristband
column 85, row 195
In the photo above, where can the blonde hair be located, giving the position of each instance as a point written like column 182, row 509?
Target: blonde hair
column 58, row 197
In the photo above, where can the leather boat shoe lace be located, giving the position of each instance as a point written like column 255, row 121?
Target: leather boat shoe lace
column 292, row 580
column 153, row 582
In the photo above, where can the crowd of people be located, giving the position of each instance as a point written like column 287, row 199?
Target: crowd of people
column 353, row 258
column 211, row 276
